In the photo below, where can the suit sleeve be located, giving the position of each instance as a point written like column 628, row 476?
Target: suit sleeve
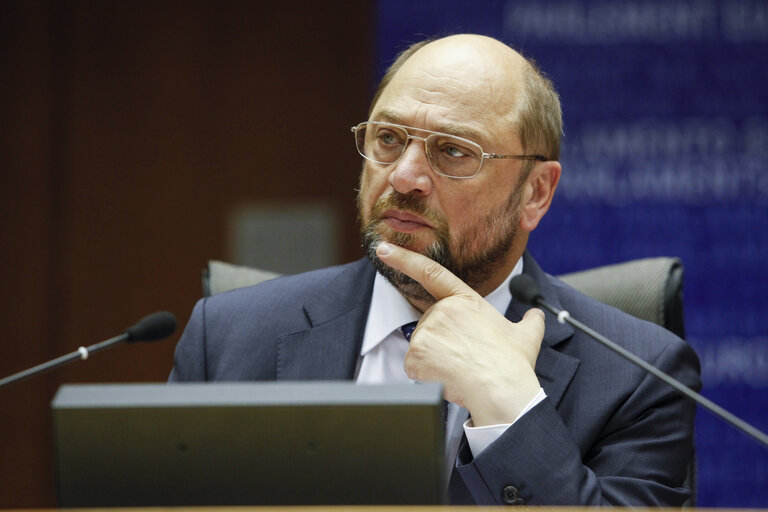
column 639, row 457
column 189, row 358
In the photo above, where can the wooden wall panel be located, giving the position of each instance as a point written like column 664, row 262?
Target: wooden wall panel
column 26, row 232
column 130, row 132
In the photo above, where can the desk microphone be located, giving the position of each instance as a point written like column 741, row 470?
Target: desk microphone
column 150, row 328
column 525, row 290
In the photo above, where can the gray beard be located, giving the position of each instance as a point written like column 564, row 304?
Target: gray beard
column 407, row 286
column 499, row 230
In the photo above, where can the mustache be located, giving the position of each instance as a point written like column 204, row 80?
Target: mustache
column 409, row 203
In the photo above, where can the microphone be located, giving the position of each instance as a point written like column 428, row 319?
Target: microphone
column 525, row 290
column 150, row 328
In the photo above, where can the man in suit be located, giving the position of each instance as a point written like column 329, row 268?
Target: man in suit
column 460, row 164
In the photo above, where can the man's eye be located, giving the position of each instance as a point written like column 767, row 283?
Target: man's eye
column 386, row 137
column 455, row 151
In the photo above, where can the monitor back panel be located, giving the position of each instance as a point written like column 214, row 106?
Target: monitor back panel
column 248, row 444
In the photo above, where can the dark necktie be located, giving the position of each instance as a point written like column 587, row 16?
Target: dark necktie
column 407, row 330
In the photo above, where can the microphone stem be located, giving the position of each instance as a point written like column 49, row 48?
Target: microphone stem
column 81, row 353
column 715, row 409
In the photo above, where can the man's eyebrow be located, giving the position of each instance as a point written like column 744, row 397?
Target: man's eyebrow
column 462, row 131
column 457, row 130
column 388, row 117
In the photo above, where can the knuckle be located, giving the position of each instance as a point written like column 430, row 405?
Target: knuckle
column 410, row 368
column 432, row 271
column 454, row 305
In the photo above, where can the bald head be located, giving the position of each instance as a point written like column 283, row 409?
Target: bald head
column 485, row 75
column 468, row 55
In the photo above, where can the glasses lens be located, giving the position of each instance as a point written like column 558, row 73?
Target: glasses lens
column 380, row 143
column 453, row 156
column 448, row 155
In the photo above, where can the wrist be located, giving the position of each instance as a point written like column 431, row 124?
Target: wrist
column 502, row 405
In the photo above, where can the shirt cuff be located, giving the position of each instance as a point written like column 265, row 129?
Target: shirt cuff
column 480, row 437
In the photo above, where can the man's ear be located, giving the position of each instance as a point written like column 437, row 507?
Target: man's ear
column 539, row 190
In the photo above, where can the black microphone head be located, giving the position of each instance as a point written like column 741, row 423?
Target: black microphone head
column 525, row 290
column 152, row 327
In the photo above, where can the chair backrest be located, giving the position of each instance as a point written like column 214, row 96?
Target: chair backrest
column 221, row 277
column 650, row 288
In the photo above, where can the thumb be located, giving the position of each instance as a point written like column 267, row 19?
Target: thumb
column 533, row 321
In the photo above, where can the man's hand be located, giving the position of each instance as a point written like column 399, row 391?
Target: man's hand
column 484, row 361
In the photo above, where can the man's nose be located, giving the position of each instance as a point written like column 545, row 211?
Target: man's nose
column 412, row 172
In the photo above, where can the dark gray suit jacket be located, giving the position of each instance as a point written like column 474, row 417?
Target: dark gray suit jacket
column 607, row 433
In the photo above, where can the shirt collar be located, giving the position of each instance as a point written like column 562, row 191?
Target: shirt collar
column 389, row 309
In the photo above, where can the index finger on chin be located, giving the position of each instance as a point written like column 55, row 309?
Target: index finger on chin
column 435, row 278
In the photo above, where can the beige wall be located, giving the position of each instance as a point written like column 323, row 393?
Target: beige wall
column 130, row 130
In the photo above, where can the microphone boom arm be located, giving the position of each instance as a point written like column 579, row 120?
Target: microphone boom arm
column 564, row 317
column 80, row 353
column 150, row 328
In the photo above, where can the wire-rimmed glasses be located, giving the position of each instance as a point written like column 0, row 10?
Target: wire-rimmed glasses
column 448, row 155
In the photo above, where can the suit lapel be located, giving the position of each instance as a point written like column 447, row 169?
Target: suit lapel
column 330, row 347
column 554, row 369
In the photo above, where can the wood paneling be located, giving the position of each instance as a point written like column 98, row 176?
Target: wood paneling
column 130, row 130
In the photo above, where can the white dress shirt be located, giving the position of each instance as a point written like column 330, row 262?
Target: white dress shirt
column 384, row 347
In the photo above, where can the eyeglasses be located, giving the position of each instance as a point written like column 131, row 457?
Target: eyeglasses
column 448, row 155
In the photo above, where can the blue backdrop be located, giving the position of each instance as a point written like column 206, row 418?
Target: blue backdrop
column 665, row 150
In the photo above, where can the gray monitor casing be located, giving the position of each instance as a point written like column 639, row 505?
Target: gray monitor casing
column 295, row 443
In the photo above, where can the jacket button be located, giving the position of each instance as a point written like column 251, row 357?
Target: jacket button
column 511, row 496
